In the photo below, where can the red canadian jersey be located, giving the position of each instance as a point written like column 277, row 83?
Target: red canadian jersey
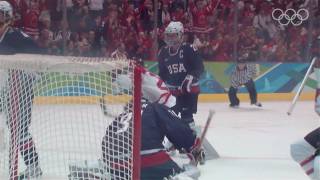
column 155, row 90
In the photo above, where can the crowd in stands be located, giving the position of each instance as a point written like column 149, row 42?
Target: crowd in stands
column 220, row 29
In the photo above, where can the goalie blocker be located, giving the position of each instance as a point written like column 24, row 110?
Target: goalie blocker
column 158, row 121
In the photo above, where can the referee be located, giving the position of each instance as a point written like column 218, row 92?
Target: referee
column 243, row 74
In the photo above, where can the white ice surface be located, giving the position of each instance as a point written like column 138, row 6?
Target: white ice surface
column 253, row 142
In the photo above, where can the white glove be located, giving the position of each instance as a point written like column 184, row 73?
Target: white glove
column 186, row 83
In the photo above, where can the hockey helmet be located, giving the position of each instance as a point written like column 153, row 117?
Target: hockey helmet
column 173, row 34
column 6, row 12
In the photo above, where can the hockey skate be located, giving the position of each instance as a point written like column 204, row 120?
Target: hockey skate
column 257, row 104
column 234, row 105
column 31, row 172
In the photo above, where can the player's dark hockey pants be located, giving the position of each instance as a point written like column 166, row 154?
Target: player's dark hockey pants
column 18, row 108
column 186, row 104
column 160, row 171
column 234, row 100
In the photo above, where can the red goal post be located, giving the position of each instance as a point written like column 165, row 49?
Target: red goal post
column 54, row 103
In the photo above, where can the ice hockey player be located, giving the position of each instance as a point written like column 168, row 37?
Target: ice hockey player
column 154, row 90
column 306, row 152
column 180, row 67
column 13, row 41
column 153, row 87
column 243, row 74
column 158, row 121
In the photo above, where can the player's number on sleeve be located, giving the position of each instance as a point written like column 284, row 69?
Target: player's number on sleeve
column 125, row 122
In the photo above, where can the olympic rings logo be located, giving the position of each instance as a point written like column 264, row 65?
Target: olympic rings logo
column 290, row 16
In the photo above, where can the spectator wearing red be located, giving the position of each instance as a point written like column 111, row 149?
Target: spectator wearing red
column 30, row 13
column 144, row 50
column 129, row 16
column 221, row 46
column 179, row 15
column 247, row 14
column 200, row 11
column 267, row 49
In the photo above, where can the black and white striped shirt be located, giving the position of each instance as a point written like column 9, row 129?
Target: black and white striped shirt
column 240, row 77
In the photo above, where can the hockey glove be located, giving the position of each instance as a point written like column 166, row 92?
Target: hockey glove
column 317, row 102
column 196, row 153
column 186, row 84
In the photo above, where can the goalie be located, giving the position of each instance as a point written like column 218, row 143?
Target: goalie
column 158, row 121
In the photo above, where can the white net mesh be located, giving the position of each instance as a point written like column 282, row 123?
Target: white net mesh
column 65, row 118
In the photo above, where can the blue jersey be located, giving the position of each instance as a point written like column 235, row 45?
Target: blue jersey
column 157, row 121
column 15, row 41
column 173, row 67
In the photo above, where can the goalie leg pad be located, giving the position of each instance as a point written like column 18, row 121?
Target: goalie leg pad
column 190, row 172
column 303, row 153
column 88, row 170
column 316, row 166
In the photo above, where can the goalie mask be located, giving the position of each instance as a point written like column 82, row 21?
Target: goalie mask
column 6, row 13
column 173, row 34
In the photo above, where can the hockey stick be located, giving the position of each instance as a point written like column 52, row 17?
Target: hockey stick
column 294, row 101
column 204, row 132
column 205, row 129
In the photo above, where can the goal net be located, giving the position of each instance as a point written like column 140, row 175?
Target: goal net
column 68, row 118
